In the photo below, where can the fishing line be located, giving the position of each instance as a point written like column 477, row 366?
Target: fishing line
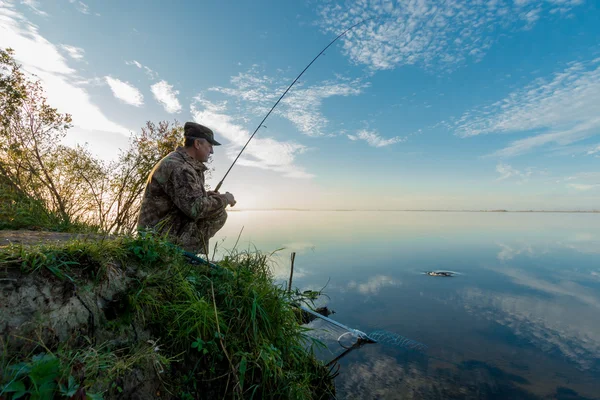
column 284, row 93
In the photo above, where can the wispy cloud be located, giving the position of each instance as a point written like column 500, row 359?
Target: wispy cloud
column 41, row 57
column 256, row 93
column 561, row 110
column 582, row 181
column 374, row 139
column 594, row 150
column 429, row 32
column 167, row 96
column 76, row 53
column 264, row 153
column 151, row 74
column 373, row 285
column 80, row 6
column 584, row 175
column 34, row 6
column 125, row 92
column 582, row 186
column 302, row 106
column 506, row 171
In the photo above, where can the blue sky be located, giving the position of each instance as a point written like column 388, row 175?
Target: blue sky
column 434, row 104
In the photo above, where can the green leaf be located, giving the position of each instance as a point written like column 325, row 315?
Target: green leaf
column 14, row 386
column 18, row 395
column 71, row 389
column 44, row 370
column 242, row 372
column 20, row 369
column 198, row 344
column 94, row 396
column 46, row 391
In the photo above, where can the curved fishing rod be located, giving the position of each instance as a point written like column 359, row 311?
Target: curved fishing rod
column 284, row 93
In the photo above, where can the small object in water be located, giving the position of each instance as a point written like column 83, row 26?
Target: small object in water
column 439, row 273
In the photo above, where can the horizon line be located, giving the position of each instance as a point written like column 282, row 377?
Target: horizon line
column 415, row 210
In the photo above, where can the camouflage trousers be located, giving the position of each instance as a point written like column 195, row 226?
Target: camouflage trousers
column 194, row 236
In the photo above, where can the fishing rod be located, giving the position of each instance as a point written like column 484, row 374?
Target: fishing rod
column 284, row 93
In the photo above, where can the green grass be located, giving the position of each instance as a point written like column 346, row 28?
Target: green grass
column 224, row 332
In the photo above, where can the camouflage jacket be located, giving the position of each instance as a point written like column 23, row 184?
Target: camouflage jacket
column 175, row 195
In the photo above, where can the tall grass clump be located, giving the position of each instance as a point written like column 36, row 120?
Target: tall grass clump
column 220, row 332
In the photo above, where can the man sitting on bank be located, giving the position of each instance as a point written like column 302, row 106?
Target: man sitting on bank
column 175, row 200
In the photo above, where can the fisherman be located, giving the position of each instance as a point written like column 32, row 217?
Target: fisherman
column 175, row 200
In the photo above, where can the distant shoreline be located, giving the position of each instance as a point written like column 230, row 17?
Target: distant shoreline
column 401, row 210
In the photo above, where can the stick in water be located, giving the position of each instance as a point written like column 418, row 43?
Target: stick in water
column 291, row 272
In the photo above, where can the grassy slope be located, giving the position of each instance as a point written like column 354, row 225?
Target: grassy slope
column 212, row 332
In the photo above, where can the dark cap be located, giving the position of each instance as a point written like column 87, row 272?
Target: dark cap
column 194, row 130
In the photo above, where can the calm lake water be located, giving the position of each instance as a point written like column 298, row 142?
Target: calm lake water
column 520, row 321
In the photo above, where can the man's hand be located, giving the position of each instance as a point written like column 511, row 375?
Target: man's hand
column 230, row 199
column 212, row 193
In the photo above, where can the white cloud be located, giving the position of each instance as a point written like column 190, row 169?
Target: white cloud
column 560, row 110
column 151, row 74
column 302, row 106
column 582, row 186
column 373, row 284
column 257, row 93
column 594, row 150
column 506, row 171
column 374, row 139
column 582, row 181
column 39, row 56
column 81, row 6
column 76, row 53
column 137, row 64
column 587, row 175
column 34, row 6
column 165, row 95
column 264, row 153
column 430, row 32
column 583, row 176
column 125, row 92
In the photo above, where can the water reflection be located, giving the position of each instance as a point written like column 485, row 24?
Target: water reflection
column 380, row 376
column 300, row 247
column 521, row 321
column 373, row 284
column 509, row 252
column 555, row 327
column 583, row 243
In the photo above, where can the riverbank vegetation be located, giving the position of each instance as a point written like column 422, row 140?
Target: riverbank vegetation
column 112, row 318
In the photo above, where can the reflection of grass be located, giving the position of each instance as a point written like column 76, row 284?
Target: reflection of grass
column 221, row 332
